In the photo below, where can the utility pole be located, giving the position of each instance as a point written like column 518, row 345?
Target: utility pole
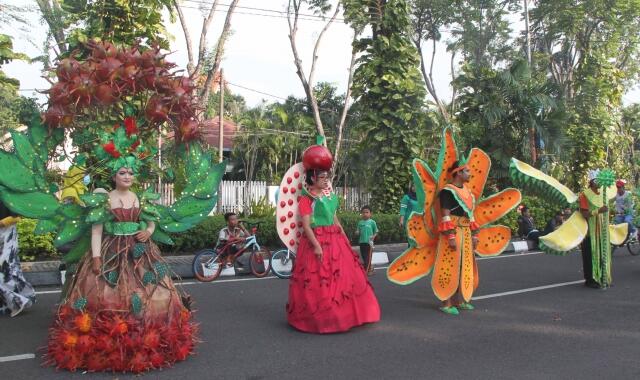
column 526, row 25
column 221, row 135
column 221, row 130
column 532, row 132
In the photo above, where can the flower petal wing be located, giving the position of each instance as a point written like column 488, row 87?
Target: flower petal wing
column 493, row 240
column 412, row 265
column 479, row 165
column 448, row 155
column 496, row 206
column 420, row 229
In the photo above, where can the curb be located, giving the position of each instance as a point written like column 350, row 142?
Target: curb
column 46, row 273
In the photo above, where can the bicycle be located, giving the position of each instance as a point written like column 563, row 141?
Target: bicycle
column 282, row 262
column 208, row 263
column 631, row 242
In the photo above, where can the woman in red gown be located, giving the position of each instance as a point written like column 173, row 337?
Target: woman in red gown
column 329, row 291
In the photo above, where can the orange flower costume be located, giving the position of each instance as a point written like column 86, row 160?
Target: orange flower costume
column 428, row 247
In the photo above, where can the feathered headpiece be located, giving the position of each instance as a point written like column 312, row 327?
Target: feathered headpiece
column 122, row 148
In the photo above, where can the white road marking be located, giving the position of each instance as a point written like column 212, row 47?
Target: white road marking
column 512, row 292
column 16, row 357
column 273, row 277
column 510, row 256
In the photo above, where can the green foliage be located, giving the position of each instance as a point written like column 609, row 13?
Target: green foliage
column 540, row 212
column 388, row 85
column 500, row 108
column 205, row 234
column 32, row 246
column 14, row 109
column 390, row 231
column 118, row 21
column 262, row 208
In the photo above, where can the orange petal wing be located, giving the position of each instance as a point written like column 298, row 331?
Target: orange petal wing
column 493, row 240
column 479, row 165
column 419, row 231
column 496, row 206
column 448, row 155
column 425, row 183
column 412, row 265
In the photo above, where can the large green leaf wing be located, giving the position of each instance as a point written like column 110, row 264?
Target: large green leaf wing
column 540, row 184
column 198, row 198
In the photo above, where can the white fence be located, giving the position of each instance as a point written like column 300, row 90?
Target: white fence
column 237, row 196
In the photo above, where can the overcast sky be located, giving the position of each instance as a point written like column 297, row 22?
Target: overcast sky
column 257, row 55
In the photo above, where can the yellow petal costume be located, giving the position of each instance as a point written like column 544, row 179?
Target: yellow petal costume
column 575, row 229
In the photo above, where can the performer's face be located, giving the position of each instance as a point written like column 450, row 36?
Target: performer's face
column 465, row 174
column 123, row 178
column 322, row 180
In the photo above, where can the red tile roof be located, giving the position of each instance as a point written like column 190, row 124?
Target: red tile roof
column 211, row 129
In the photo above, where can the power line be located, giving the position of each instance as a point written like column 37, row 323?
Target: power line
column 283, row 16
column 202, row 2
column 290, row 98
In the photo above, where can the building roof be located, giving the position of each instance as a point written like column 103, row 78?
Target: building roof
column 211, row 129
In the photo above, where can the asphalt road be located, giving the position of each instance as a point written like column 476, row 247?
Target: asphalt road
column 554, row 329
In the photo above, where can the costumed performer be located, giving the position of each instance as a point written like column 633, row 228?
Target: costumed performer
column 328, row 291
column 16, row 293
column 588, row 225
column 451, row 224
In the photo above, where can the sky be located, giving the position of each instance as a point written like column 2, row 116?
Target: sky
column 257, row 55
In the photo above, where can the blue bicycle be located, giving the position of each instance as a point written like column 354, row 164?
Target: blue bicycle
column 208, row 263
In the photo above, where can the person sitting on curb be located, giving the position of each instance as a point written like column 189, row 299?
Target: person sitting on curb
column 527, row 227
column 554, row 223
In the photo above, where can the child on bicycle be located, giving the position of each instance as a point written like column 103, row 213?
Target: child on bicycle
column 233, row 232
column 367, row 232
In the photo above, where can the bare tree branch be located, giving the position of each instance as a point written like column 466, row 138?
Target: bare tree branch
column 428, row 78
column 343, row 116
column 51, row 14
column 187, row 37
column 307, row 84
column 202, row 47
column 206, row 90
column 453, row 77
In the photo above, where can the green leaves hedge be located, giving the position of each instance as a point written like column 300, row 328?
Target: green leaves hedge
column 205, row 235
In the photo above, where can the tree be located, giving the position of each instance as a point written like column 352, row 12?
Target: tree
column 74, row 22
column 590, row 49
column 319, row 7
column 204, row 68
column 566, row 32
column 499, row 107
column 388, row 85
column 14, row 109
column 630, row 125
column 428, row 18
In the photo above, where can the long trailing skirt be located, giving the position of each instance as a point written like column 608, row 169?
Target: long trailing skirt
column 130, row 317
column 333, row 295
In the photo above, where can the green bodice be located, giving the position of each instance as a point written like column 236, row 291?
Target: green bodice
column 324, row 209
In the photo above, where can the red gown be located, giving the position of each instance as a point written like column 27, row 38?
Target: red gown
column 333, row 295
column 130, row 317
